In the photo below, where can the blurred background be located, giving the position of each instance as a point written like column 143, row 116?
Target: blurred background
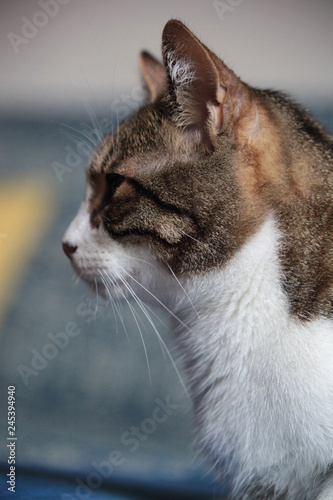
column 85, row 395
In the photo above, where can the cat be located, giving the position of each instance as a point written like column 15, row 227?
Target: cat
column 217, row 199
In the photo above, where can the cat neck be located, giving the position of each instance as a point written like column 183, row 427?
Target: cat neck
column 242, row 298
column 233, row 319
column 244, row 351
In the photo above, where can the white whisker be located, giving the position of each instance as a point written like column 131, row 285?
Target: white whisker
column 96, row 287
column 157, row 300
column 185, row 292
column 162, row 343
column 103, row 278
column 80, row 132
column 145, row 312
column 134, row 316
column 198, row 241
column 108, row 283
column 115, row 299
column 112, row 95
column 141, row 260
column 117, row 129
column 98, row 133
column 77, row 280
column 112, row 302
column 92, row 115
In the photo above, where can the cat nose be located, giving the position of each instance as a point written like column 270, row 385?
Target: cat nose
column 69, row 249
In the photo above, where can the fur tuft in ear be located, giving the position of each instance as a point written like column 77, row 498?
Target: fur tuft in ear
column 154, row 74
column 208, row 95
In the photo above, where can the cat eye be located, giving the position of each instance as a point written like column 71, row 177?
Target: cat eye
column 113, row 182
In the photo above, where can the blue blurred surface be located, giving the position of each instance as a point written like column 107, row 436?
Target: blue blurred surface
column 75, row 412
column 42, row 485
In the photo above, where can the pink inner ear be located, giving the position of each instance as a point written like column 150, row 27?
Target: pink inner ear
column 194, row 77
column 154, row 74
column 216, row 110
column 216, row 113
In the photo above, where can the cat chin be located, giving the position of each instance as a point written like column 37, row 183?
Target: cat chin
column 94, row 284
column 89, row 279
column 97, row 288
column 104, row 288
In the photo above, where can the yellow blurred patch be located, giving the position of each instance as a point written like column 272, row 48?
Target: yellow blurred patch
column 25, row 212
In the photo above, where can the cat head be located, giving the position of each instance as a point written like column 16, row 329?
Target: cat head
column 178, row 183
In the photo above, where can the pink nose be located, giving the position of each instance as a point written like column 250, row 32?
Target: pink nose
column 69, row 249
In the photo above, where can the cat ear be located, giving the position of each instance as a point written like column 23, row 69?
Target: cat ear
column 206, row 91
column 154, row 74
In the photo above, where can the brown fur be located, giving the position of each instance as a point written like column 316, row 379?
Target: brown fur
column 198, row 182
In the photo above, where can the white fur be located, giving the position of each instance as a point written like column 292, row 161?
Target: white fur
column 262, row 380
column 269, row 376
column 181, row 71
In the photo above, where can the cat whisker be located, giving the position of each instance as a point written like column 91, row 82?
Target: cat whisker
column 112, row 302
column 97, row 131
column 150, row 310
column 154, row 314
column 85, row 138
column 96, row 287
column 117, row 129
column 160, row 321
column 77, row 280
column 74, row 277
column 198, row 241
column 185, row 292
column 135, row 319
column 134, row 294
column 118, row 308
column 142, row 260
column 78, row 140
column 114, row 309
column 112, row 90
column 157, row 300
column 78, row 131
column 99, row 134
column 92, row 115
column 162, row 343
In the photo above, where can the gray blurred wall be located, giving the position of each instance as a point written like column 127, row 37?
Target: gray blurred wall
column 68, row 51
